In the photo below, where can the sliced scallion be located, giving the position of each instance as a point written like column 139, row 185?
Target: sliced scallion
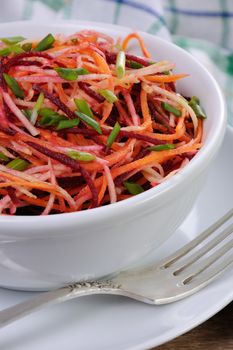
column 5, row 52
column 194, row 103
column 133, row 188
column 120, row 64
column 49, row 117
column 12, row 40
column 27, row 47
column 67, row 124
column 71, row 74
column 134, row 65
column 14, row 86
column 47, row 112
column 27, row 113
column 3, row 157
column 14, row 48
column 114, row 133
column 45, row 43
column 36, row 108
column 89, row 121
column 108, row 95
column 169, row 108
column 83, row 107
column 167, row 72
column 164, row 147
column 18, row 164
column 81, row 156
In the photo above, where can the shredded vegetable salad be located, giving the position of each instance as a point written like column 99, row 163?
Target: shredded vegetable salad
column 85, row 123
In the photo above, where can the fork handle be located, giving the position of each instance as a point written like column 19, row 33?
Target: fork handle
column 55, row 296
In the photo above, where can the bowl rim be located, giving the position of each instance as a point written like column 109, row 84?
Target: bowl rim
column 187, row 173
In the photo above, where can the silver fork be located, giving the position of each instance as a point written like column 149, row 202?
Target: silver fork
column 175, row 277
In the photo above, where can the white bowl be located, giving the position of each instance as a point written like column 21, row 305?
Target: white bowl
column 45, row 252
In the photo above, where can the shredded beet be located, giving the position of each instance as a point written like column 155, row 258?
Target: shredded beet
column 110, row 57
column 70, row 182
column 123, row 177
column 56, row 101
column 142, row 137
column 138, row 60
column 12, row 194
column 159, row 117
column 85, row 87
column 2, row 80
column 122, row 133
column 71, row 163
column 8, row 131
column 27, row 63
column 172, row 164
column 75, row 130
column 14, row 60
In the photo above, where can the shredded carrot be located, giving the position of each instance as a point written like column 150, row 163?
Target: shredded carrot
column 141, row 43
column 101, row 63
column 165, row 78
column 157, row 157
column 145, row 111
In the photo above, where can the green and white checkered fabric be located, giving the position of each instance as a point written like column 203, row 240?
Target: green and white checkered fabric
column 203, row 27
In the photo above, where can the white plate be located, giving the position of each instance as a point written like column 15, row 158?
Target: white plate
column 116, row 323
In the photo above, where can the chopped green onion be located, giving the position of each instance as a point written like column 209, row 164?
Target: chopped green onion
column 3, row 157
column 49, row 117
column 194, row 103
column 27, row 113
column 67, row 124
column 52, row 120
column 120, row 64
column 89, row 121
column 134, row 65
column 83, row 107
column 12, row 40
column 164, row 147
column 5, row 52
column 82, row 156
column 71, row 74
column 18, row 164
column 36, row 108
column 108, row 95
column 133, row 188
column 14, row 86
column 169, row 108
column 27, row 47
column 14, row 48
column 114, row 133
column 45, row 43
column 47, row 112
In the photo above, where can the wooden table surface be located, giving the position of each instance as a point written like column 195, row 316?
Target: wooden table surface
column 215, row 334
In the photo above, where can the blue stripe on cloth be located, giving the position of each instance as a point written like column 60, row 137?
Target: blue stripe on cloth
column 142, row 7
column 117, row 11
column 199, row 13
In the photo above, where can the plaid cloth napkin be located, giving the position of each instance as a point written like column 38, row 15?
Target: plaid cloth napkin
column 204, row 28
